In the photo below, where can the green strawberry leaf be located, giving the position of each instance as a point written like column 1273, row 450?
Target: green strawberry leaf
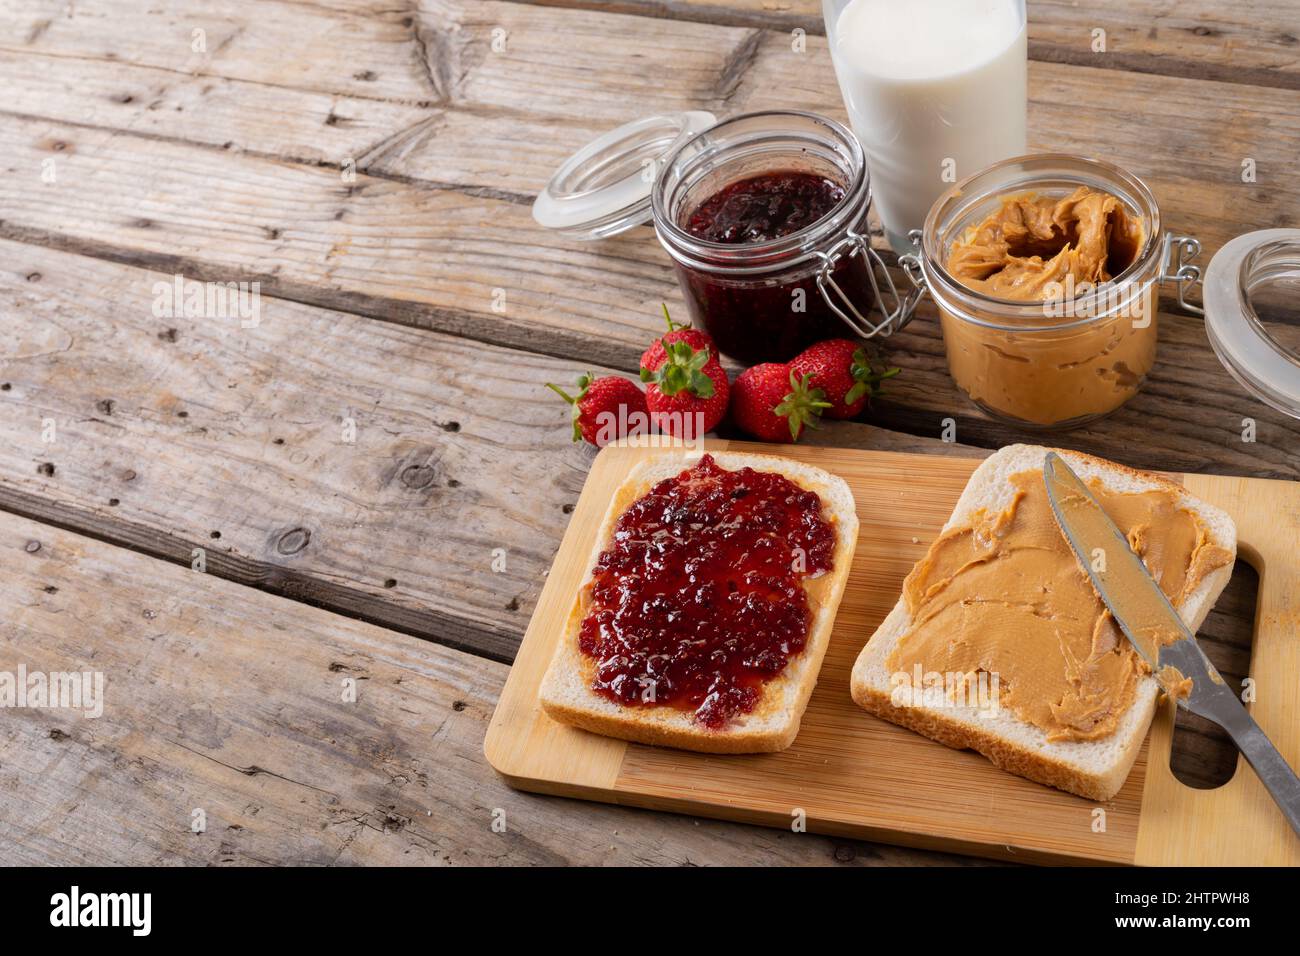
column 701, row 385
column 866, row 380
column 683, row 371
column 802, row 406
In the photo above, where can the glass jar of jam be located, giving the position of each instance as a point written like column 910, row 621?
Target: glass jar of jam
column 999, row 255
column 765, row 218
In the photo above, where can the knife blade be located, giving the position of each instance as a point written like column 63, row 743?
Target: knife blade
column 1157, row 632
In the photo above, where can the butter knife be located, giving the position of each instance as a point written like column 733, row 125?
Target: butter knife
column 1154, row 628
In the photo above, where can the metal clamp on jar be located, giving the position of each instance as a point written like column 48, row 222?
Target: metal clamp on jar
column 895, row 312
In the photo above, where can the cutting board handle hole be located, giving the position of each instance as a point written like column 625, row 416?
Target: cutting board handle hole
column 1203, row 756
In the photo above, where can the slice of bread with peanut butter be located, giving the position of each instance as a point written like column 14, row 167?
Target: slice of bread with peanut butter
column 999, row 643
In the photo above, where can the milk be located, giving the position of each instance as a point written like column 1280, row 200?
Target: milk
column 936, row 90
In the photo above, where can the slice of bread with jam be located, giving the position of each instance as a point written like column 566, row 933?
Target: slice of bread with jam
column 717, row 639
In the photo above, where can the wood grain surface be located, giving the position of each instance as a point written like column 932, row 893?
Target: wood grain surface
column 371, row 165
column 1195, row 38
column 227, row 700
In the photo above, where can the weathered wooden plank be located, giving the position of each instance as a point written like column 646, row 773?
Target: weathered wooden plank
column 280, row 104
column 229, row 701
column 1253, row 44
column 156, row 86
column 599, row 76
column 1209, row 129
column 1191, row 147
column 283, row 122
column 176, row 433
column 170, row 433
column 368, row 49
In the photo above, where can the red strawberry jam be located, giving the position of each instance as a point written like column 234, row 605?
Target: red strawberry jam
column 765, row 207
column 774, row 310
column 699, row 599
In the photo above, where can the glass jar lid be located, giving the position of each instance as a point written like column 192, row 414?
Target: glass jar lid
column 1252, row 314
column 604, row 188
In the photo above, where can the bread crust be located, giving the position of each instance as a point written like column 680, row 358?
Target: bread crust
column 566, row 693
column 1093, row 769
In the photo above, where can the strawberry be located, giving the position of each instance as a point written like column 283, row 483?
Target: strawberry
column 657, row 353
column 606, row 409
column 771, row 404
column 688, row 402
column 843, row 371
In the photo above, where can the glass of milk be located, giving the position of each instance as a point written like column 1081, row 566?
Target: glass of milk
column 936, row 90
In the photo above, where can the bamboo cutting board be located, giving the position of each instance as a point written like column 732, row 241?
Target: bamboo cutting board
column 852, row 774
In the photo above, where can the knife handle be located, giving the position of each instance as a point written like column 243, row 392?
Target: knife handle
column 1273, row 770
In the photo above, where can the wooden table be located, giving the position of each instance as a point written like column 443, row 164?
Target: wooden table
column 236, row 522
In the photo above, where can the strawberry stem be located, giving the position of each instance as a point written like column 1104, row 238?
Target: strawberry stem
column 673, row 326
column 802, row 406
column 584, row 383
column 561, row 392
column 866, row 380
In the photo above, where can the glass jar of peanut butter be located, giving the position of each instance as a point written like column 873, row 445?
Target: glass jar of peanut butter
column 1046, row 272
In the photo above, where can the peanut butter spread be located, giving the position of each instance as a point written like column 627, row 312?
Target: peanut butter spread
column 1042, row 249
column 1005, row 595
column 1146, row 615
column 1033, row 241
